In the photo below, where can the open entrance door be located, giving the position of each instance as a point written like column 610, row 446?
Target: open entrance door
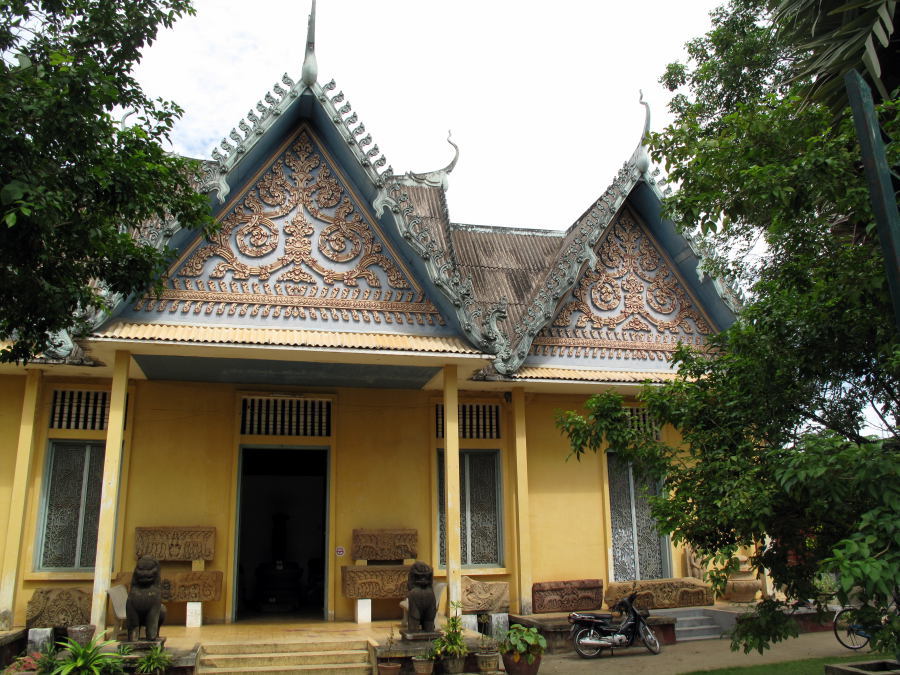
column 281, row 533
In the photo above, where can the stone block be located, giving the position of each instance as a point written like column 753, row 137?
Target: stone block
column 385, row 544
column 484, row 597
column 567, row 596
column 51, row 607
column 374, row 581
column 192, row 586
column 661, row 593
column 175, row 543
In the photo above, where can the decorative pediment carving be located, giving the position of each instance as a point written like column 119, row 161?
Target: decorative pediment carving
column 296, row 244
column 629, row 304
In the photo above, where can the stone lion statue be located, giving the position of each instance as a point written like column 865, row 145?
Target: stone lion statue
column 144, row 606
column 422, row 603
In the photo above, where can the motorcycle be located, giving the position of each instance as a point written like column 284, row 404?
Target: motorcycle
column 592, row 632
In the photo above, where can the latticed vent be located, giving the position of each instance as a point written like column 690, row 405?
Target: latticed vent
column 641, row 420
column 276, row 416
column 85, row 410
column 475, row 421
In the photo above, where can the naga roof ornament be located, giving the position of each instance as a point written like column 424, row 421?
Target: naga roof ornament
column 435, row 178
column 310, row 71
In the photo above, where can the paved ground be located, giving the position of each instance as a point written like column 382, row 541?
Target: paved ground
column 697, row 655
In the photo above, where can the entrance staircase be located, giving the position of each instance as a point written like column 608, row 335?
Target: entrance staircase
column 698, row 623
column 285, row 658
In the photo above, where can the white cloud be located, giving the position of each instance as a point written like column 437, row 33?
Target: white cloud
column 542, row 98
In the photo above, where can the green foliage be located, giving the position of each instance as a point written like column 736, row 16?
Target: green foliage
column 773, row 453
column 89, row 659
column 154, row 661
column 74, row 182
column 451, row 644
column 522, row 643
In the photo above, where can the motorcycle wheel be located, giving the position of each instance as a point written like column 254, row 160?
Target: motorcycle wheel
column 651, row 642
column 587, row 652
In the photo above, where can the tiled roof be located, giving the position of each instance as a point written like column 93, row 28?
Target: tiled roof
column 154, row 332
column 538, row 373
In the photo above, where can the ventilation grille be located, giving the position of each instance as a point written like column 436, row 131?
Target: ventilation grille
column 86, row 410
column 641, row 420
column 276, row 416
column 475, row 421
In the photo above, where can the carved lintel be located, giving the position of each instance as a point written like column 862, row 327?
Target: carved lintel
column 377, row 582
column 175, row 543
column 385, row 544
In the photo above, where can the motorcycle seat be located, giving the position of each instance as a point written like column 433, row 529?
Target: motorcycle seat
column 605, row 616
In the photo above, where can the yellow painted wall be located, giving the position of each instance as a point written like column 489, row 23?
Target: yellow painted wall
column 180, row 468
column 567, row 500
column 12, row 389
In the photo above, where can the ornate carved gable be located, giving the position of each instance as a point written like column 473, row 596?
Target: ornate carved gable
column 630, row 305
column 296, row 246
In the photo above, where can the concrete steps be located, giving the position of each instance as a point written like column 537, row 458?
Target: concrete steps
column 285, row 658
column 696, row 628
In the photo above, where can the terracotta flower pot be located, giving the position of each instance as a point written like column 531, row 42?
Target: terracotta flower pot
column 422, row 666
column 521, row 667
column 453, row 664
column 487, row 661
column 389, row 668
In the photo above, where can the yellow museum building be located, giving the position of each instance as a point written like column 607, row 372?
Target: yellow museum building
column 342, row 355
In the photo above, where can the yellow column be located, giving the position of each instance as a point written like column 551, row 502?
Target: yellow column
column 9, row 581
column 451, row 483
column 109, row 497
column 523, row 526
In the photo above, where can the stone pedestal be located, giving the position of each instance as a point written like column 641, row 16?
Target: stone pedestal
column 194, row 615
column 363, row 610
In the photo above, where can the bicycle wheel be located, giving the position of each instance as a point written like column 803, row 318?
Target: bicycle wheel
column 651, row 642
column 848, row 631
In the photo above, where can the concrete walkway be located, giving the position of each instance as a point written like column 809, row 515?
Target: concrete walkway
column 685, row 657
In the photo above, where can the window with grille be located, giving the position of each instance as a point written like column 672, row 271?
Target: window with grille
column 71, row 506
column 476, row 420
column 480, row 516
column 285, row 416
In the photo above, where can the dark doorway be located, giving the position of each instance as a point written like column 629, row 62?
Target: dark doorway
column 282, row 531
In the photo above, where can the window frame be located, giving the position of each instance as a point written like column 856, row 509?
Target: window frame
column 46, row 487
column 465, row 499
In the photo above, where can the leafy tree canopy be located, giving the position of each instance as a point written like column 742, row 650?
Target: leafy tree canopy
column 774, row 453
column 73, row 179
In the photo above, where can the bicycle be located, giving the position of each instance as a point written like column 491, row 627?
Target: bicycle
column 850, row 628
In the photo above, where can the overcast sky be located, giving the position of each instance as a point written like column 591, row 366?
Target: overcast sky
column 541, row 97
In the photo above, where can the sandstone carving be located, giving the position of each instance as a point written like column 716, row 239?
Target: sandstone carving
column 50, row 607
column 144, row 606
column 662, row 593
column 484, row 597
column 192, row 586
column 421, row 603
column 175, row 543
column 375, row 581
column 567, row 596
column 393, row 544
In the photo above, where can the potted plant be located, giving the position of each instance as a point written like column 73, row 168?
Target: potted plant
column 155, row 661
column 522, row 648
column 388, row 667
column 450, row 647
column 423, row 664
column 487, row 654
column 87, row 659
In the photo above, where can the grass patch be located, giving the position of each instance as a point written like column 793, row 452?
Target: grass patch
column 801, row 667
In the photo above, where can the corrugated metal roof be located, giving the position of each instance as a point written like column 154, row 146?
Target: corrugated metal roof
column 153, row 332
column 538, row 373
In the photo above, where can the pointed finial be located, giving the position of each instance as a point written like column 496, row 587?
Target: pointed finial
column 452, row 164
column 310, row 70
column 642, row 160
column 643, row 103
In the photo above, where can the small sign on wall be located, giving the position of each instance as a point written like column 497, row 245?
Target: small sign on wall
column 339, row 551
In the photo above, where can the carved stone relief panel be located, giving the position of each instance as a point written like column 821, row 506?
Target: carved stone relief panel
column 295, row 245
column 175, row 543
column 192, row 586
column 385, row 544
column 630, row 304
column 378, row 582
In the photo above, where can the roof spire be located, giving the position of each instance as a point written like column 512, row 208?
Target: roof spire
column 642, row 156
column 310, row 70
